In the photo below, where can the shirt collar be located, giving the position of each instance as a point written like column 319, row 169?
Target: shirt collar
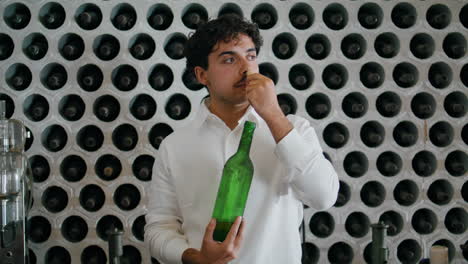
column 204, row 114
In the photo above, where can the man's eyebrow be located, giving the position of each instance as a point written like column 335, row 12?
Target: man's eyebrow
column 226, row 53
column 230, row 52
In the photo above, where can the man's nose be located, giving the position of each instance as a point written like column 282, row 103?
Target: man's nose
column 245, row 67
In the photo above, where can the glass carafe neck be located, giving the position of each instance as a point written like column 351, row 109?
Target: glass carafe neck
column 2, row 110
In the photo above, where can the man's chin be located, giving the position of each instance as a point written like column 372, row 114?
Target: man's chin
column 240, row 100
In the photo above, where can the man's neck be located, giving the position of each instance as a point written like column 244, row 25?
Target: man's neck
column 230, row 114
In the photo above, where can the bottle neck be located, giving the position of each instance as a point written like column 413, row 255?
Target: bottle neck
column 246, row 138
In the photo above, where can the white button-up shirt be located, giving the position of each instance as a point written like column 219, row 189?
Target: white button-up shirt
column 186, row 176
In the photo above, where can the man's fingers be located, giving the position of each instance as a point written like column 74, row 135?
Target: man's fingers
column 240, row 234
column 251, row 85
column 250, row 75
column 253, row 82
column 210, row 229
column 234, row 229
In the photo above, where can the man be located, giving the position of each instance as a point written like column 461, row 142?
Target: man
column 289, row 168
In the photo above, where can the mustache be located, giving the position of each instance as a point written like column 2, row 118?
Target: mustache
column 242, row 80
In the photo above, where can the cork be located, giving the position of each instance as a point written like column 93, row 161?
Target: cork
column 439, row 255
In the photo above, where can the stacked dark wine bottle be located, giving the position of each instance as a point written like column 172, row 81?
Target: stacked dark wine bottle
column 100, row 85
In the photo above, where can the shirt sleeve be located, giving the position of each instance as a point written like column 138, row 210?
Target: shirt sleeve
column 309, row 174
column 163, row 233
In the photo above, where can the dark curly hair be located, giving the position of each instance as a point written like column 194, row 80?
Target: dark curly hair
column 225, row 28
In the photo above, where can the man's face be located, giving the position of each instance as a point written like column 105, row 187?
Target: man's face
column 227, row 67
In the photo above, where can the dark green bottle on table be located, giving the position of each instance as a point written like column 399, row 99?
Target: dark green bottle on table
column 234, row 187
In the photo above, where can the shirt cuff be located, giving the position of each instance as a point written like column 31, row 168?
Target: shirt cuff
column 293, row 150
column 175, row 249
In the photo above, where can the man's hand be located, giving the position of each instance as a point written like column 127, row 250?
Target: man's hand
column 213, row 252
column 260, row 91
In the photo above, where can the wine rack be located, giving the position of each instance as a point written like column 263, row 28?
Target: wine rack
column 99, row 84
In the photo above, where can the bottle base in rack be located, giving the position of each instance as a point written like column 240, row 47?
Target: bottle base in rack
column 11, row 245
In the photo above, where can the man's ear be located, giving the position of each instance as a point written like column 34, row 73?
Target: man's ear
column 200, row 74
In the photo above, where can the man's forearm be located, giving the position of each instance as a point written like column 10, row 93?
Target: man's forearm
column 279, row 125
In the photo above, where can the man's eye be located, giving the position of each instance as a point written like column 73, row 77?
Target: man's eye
column 251, row 57
column 229, row 60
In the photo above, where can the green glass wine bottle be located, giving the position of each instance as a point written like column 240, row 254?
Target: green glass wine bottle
column 235, row 185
